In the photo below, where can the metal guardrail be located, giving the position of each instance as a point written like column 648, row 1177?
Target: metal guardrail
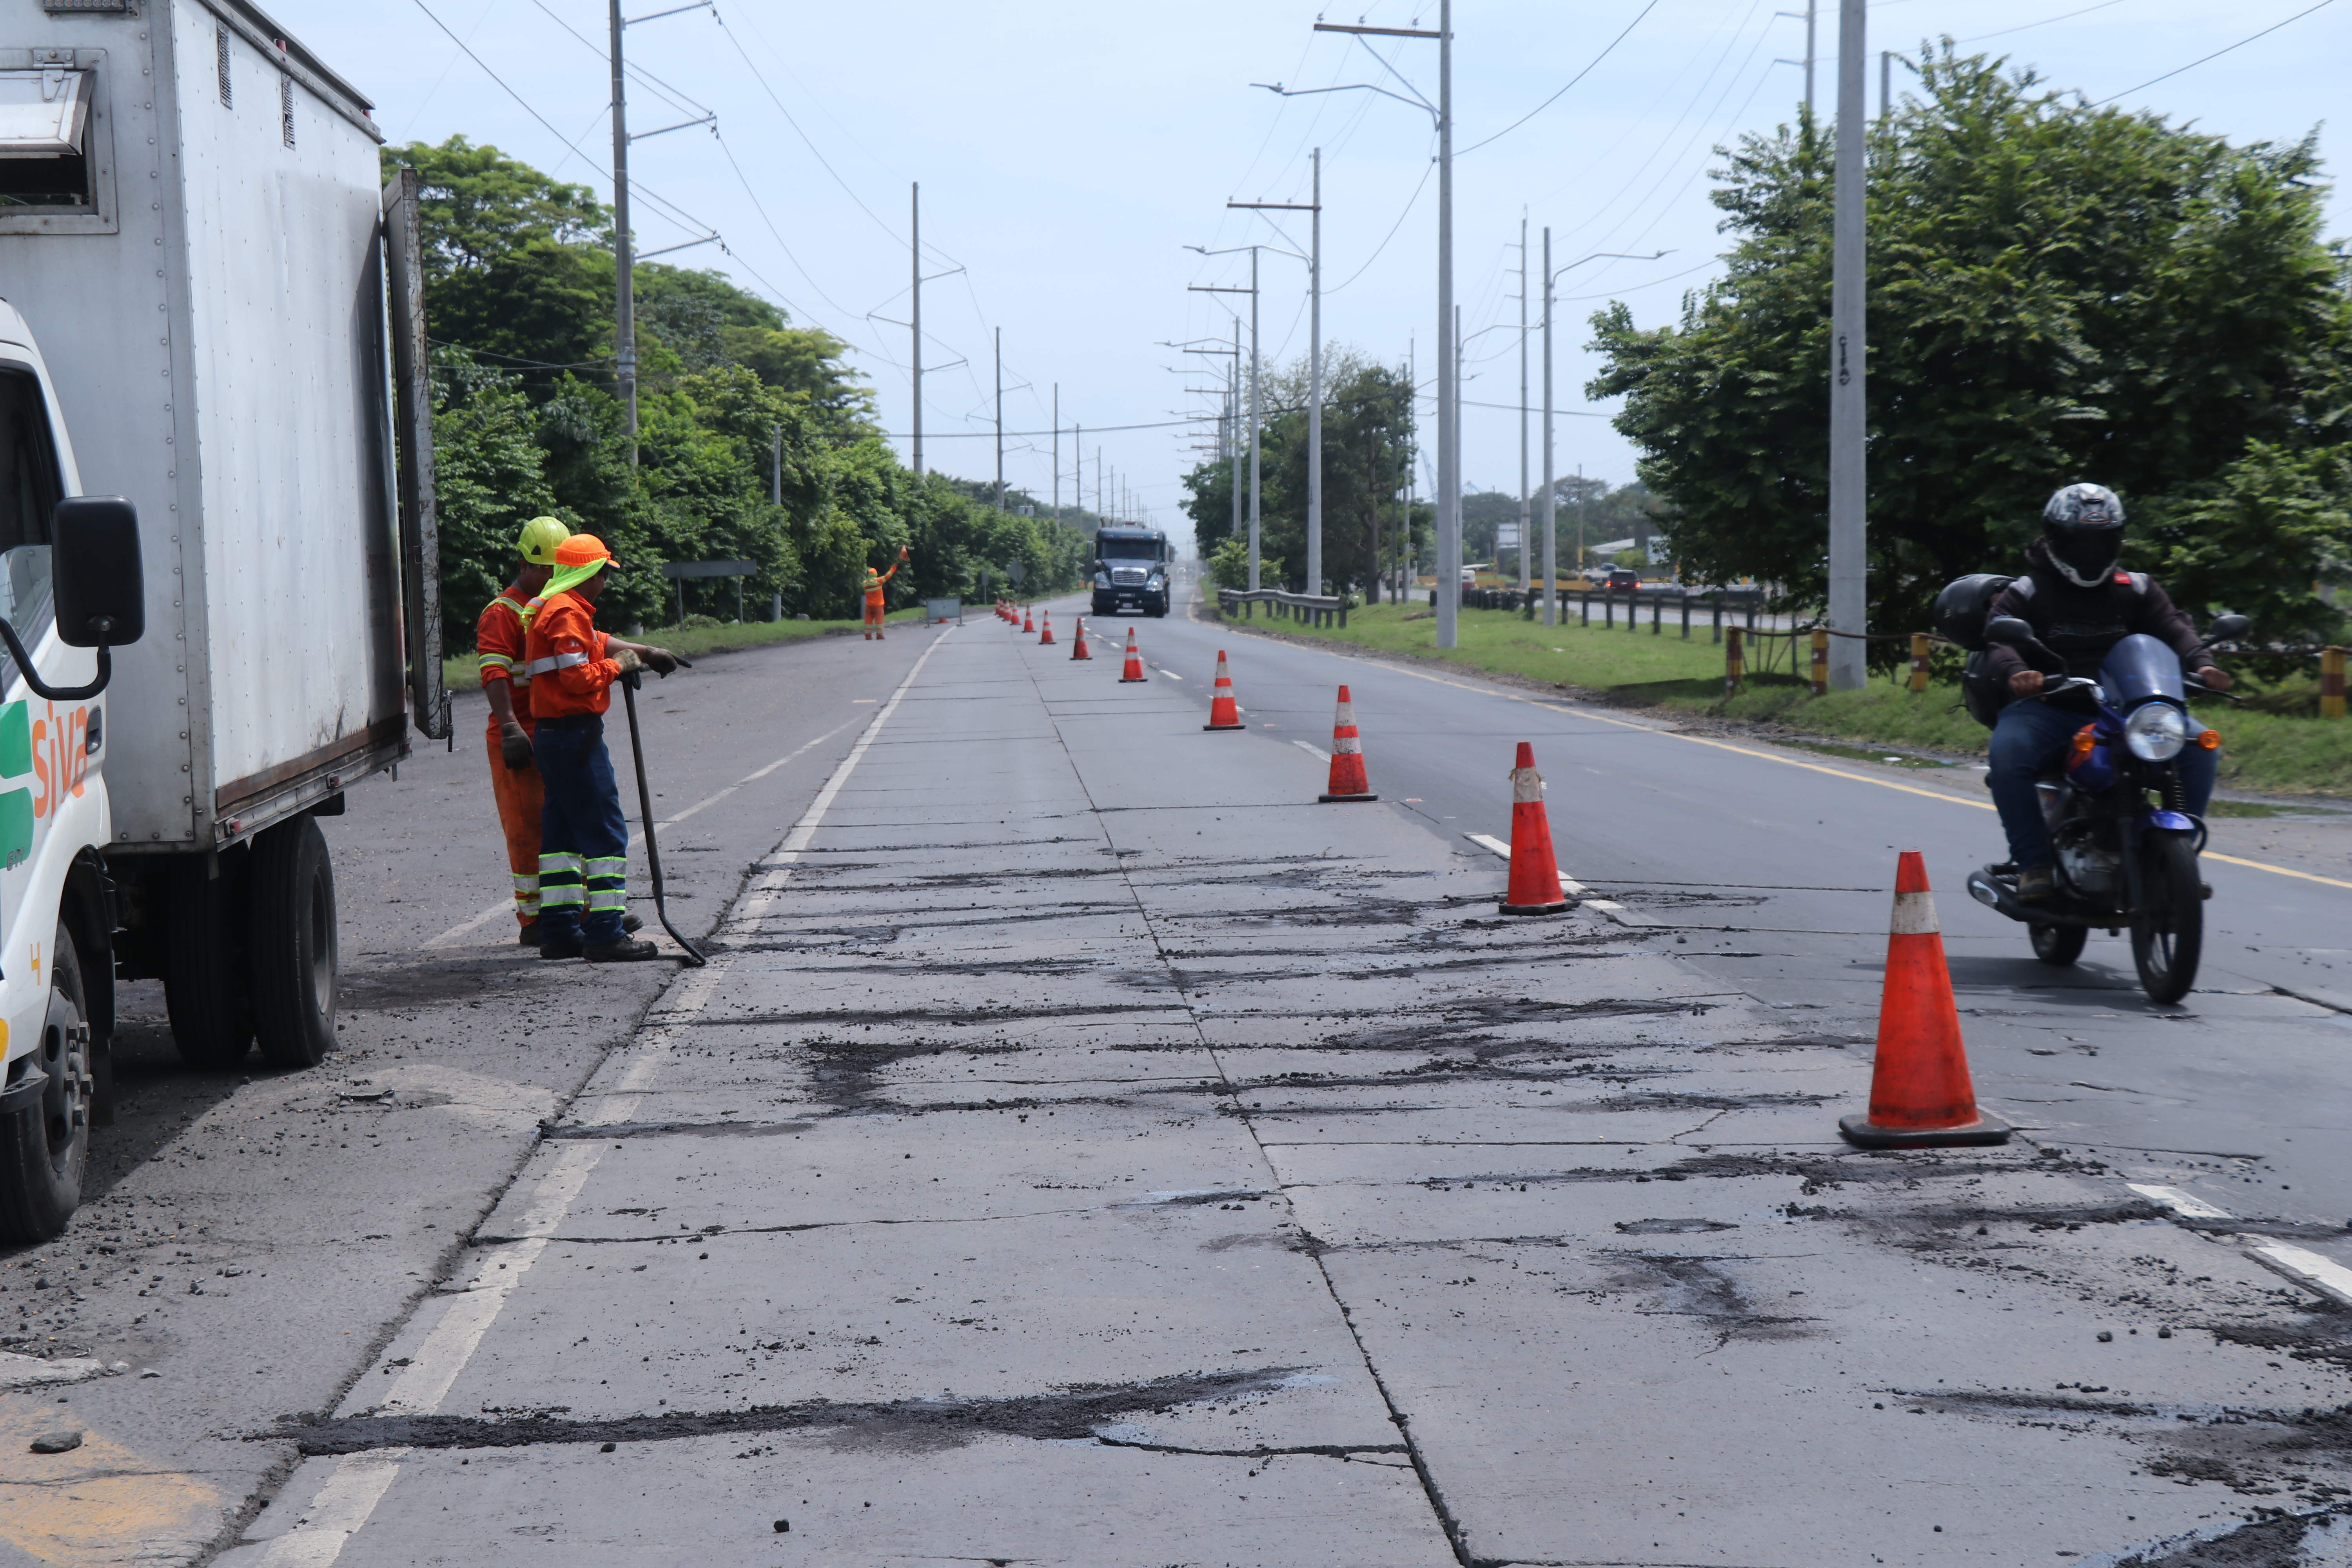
column 1316, row 609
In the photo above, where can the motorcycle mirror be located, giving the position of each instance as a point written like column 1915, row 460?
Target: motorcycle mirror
column 2008, row 629
column 2228, row 628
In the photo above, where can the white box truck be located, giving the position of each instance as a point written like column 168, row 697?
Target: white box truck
column 215, row 455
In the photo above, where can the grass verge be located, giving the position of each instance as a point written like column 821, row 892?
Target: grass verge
column 462, row 673
column 2269, row 752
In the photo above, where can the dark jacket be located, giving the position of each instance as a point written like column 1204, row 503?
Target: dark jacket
column 2080, row 624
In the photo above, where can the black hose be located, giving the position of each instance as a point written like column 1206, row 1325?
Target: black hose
column 645, row 813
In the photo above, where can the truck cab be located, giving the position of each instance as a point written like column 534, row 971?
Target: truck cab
column 1131, row 569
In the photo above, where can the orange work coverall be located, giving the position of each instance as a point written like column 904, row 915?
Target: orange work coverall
column 874, row 598
column 499, row 636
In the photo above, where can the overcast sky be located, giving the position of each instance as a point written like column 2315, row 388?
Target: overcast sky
column 1069, row 153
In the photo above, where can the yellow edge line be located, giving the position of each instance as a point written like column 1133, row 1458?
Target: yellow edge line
column 1812, row 767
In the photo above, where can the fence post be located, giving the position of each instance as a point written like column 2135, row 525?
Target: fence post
column 1717, row 633
column 1685, row 616
column 1918, row 662
column 1609, row 613
column 2331, row 683
column 1735, row 667
column 1820, row 672
column 1657, row 613
column 1584, row 609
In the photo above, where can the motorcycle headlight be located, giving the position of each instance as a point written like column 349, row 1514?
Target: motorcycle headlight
column 2156, row 732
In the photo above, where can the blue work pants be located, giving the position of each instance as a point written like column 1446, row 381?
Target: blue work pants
column 2030, row 741
column 584, row 839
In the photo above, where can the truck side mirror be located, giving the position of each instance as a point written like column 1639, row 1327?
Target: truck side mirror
column 101, row 590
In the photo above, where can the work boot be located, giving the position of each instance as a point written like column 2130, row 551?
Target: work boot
column 529, row 935
column 561, row 947
column 632, row 924
column 624, row 951
column 2033, row 885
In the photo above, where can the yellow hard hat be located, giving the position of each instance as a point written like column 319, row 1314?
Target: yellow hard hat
column 540, row 536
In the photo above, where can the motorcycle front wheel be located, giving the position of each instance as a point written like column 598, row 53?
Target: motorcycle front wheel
column 2059, row 945
column 2169, row 932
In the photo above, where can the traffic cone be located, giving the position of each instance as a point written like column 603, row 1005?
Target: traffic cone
column 1027, row 623
column 1133, row 670
column 1920, row 1096
column 1224, row 713
column 1535, row 869
column 1047, row 640
column 1078, row 641
column 1347, row 779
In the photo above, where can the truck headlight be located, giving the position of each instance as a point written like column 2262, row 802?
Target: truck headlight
column 1156, row 581
column 1102, row 579
column 2156, row 732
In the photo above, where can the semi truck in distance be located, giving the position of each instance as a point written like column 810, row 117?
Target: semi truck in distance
column 218, row 576
column 1131, row 569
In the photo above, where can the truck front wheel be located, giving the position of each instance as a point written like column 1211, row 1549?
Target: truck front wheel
column 293, row 953
column 45, row 1135
column 205, row 984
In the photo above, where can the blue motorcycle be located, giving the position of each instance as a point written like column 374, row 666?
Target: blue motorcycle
column 2123, row 843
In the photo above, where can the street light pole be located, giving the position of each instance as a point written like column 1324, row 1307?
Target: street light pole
column 915, row 262
column 1000, row 418
column 624, row 307
column 1849, row 605
column 1313, row 205
column 1253, row 405
column 1550, row 502
column 1523, row 404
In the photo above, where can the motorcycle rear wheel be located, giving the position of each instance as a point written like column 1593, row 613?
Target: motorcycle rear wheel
column 2169, row 934
column 2059, row 946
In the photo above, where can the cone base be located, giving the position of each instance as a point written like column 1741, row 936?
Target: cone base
column 1560, row 908
column 1327, row 799
column 1857, row 1131
column 1131, row 680
column 1224, row 726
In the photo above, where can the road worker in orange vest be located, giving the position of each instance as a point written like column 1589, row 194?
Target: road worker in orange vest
column 874, row 581
column 514, row 783
column 584, row 839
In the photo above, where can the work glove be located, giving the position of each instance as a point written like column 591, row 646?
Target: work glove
column 660, row 661
column 514, row 745
column 627, row 657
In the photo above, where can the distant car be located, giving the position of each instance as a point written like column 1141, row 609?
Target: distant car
column 1622, row 580
column 1469, row 575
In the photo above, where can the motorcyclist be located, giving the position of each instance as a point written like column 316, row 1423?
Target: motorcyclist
column 2080, row 604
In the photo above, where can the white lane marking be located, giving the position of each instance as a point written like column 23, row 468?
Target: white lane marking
column 359, row 1480
column 1171, row 675
column 342, row 1505
column 2178, row 1202
column 456, row 935
column 1316, row 751
column 1574, row 888
column 2325, row 1275
column 2306, row 1268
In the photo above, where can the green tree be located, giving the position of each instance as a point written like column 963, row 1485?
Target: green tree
column 489, row 480
column 2056, row 292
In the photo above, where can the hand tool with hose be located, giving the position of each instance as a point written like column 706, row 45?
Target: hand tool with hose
column 628, row 684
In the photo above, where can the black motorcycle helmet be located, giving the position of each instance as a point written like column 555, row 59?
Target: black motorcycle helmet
column 2084, row 527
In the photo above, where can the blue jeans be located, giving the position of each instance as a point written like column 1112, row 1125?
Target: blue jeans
column 584, row 839
column 2030, row 741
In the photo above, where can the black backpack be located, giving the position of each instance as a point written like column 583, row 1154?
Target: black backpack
column 1961, row 611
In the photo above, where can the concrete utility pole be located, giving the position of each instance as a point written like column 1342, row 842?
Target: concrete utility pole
column 1849, row 606
column 1057, row 450
column 1810, row 15
column 915, row 262
column 1449, row 449
column 1314, row 205
column 1000, row 418
column 1253, row 405
column 624, row 305
column 1550, row 502
column 1523, row 403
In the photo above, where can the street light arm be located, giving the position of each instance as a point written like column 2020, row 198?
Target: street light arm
column 1276, row 86
column 1615, row 255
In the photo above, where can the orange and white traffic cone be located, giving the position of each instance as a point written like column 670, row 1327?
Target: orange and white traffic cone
column 1132, row 671
column 1078, row 641
column 1920, row 1094
column 1047, row 640
column 1224, row 713
column 1534, row 886
column 1028, row 624
column 1347, row 779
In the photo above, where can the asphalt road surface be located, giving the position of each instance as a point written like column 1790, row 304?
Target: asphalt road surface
column 1087, row 1148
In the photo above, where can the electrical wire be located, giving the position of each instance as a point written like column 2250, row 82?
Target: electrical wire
column 1578, row 76
column 2045, row 21
column 1411, row 201
column 2216, row 54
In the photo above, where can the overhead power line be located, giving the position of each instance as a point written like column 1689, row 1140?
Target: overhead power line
column 1572, row 82
column 2216, row 54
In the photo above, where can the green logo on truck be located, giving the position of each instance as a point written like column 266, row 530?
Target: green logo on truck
column 16, row 803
